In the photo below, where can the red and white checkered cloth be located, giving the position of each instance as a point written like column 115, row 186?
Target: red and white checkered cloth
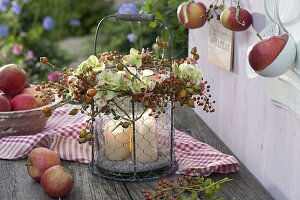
column 61, row 134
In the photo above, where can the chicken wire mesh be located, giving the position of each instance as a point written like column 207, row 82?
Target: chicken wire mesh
column 143, row 150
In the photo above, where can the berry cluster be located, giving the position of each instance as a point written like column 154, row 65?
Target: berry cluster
column 87, row 85
column 186, row 187
column 214, row 10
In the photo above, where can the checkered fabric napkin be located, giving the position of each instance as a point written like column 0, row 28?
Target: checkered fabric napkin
column 61, row 134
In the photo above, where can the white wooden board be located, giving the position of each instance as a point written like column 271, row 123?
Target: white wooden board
column 220, row 45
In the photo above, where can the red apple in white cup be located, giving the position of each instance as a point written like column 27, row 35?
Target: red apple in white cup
column 12, row 79
column 265, row 52
column 192, row 14
column 230, row 21
column 279, row 50
column 39, row 160
column 57, row 182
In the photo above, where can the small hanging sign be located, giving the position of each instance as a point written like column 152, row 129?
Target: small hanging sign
column 220, row 45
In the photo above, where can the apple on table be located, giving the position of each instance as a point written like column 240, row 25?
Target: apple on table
column 57, row 181
column 44, row 165
column 39, row 160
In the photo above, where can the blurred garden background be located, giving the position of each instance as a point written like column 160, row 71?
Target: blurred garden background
column 63, row 31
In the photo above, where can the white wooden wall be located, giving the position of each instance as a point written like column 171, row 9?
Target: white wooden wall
column 264, row 137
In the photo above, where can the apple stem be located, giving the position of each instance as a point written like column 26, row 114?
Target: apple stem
column 259, row 36
column 237, row 14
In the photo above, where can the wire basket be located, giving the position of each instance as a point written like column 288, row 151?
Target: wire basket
column 140, row 151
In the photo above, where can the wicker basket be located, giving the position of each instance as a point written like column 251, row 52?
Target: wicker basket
column 25, row 122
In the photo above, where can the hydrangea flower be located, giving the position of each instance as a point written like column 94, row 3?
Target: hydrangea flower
column 128, row 8
column 187, row 71
column 4, row 5
column 131, row 37
column 74, row 22
column 17, row 49
column 3, row 30
column 91, row 61
column 48, row 23
column 134, row 58
column 16, row 8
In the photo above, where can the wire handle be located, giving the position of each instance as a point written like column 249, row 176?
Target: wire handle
column 133, row 18
column 136, row 17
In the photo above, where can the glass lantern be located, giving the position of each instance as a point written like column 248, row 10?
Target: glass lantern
column 143, row 150
column 135, row 151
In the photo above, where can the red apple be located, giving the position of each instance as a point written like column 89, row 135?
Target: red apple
column 4, row 103
column 23, row 102
column 36, row 94
column 57, row 182
column 39, row 160
column 12, row 79
column 265, row 52
column 192, row 14
column 229, row 20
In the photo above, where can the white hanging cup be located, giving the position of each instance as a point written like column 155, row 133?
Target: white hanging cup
column 269, row 31
column 286, row 58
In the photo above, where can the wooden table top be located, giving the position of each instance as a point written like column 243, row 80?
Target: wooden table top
column 15, row 183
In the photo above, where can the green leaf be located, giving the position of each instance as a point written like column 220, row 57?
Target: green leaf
column 194, row 195
column 34, row 34
column 160, row 16
column 208, row 182
column 219, row 186
column 153, row 24
column 209, row 193
column 148, row 6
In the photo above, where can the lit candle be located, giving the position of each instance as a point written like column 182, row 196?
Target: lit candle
column 117, row 141
column 145, row 139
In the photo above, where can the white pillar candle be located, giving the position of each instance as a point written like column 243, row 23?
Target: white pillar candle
column 145, row 139
column 117, row 141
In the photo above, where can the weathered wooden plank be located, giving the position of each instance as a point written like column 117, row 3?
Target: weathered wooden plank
column 17, row 185
column 244, row 186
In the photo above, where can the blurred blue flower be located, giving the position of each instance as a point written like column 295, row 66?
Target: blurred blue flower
column 4, row 5
column 16, row 8
column 3, row 30
column 74, row 22
column 25, row 1
column 128, row 8
column 48, row 23
column 131, row 37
